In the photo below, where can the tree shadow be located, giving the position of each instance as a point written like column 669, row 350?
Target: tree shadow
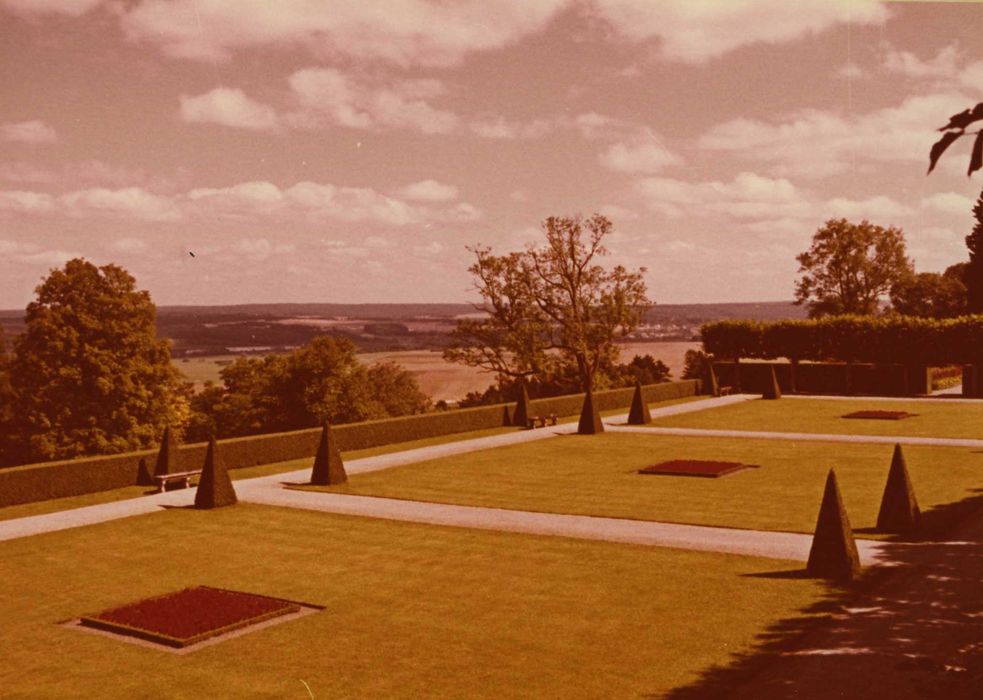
column 910, row 629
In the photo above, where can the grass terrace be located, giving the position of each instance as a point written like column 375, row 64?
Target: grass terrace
column 597, row 475
column 411, row 610
column 943, row 419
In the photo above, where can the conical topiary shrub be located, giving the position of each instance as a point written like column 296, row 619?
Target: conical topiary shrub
column 520, row 417
column 506, row 419
column 712, row 386
column 639, row 413
column 215, row 487
column 144, row 477
column 328, row 470
column 167, row 456
column 590, row 419
column 899, row 511
column 772, row 390
column 834, row 552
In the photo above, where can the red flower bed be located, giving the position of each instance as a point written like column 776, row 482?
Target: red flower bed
column 694, row 467
column 880, row 415
column 189, row 616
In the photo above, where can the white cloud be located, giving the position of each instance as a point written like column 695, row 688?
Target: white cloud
column 814, row 143
column 72, row 8
column 134, row 202
column 645, row 153
column 698, row 30
column 879, row 207
column 229, row 107
column 748, row 195
column 25, row 202
column 328, row 94
column 851, row 71
column 128, row 245
column 949, row 203
column 501, row 128
column 413, row 32
column 32, row 132
column 258, row 249
column 429, row 191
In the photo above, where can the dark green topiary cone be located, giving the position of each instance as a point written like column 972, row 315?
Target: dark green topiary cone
column 834, row 552
column 506, row 419
column 520, row 417
column 144, row 477
column 712, row 386
column 167, row 456
column 328, row 467
column 590, row 418
column 639, row 413
column 215, row 487
column 772, row 390
column 899, row 511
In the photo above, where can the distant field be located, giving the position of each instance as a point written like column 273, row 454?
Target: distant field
column 439, row 379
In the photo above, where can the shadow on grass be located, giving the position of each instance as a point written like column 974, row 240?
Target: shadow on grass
column 913, row 629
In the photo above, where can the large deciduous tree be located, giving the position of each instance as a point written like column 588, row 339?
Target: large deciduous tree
column 849, row 267
column 550, row 306
column 973, row 274
column 931, row 295
column 89, row 373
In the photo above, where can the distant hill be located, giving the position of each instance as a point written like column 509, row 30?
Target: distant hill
column 752, row 310
column 381, row 311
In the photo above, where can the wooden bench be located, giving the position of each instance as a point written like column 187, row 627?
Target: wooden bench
column 185, row 477
column 726, row 390
column 542, row 421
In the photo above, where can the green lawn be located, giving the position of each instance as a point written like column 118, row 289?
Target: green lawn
column 412, row 611
column 597, row 475
column 934, row 419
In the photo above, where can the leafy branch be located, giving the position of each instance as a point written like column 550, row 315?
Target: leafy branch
column 956, row 129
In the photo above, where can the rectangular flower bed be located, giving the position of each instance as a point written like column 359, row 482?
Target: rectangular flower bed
column 189, row 616
column 880, row 415
column 694, row 467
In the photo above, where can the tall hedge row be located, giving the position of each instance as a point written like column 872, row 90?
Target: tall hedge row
column 887, row 340
column 38, row 482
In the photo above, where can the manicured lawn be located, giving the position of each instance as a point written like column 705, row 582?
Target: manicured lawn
column 934, row 419
column 596, row 475
column 412, row 611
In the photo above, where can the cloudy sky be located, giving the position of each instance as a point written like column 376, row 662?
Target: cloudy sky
column 350, row 150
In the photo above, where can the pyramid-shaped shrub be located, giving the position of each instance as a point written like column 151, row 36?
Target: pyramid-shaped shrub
column 639, row 413
column 215, row 487
column 711, row 385
column 520, row 417
column 506, row 418
column 772, row 390
column 144, row 477
column 328, row 469
column 590, row 418
column 834, row 552
column 167, row 456
column 899, row 511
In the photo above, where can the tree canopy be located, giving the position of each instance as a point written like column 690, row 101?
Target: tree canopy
column 318, row 382
column 89, row 374
column 550, row 305
column 849, row 267
column 931, row 295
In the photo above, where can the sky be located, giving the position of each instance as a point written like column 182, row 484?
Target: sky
column 354, row 150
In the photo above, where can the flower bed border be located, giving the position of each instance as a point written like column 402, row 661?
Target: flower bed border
column 879, row 415
column 94, row 622
column 677, row 467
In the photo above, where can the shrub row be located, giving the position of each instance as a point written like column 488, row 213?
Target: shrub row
column 38, row 482
column 827, row 378
column 888, row 339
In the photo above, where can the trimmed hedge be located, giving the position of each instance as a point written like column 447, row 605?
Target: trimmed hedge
column 902, row 340
column 39, row 482
column 828, row 378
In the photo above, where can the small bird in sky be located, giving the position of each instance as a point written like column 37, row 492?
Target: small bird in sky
column 191, row 254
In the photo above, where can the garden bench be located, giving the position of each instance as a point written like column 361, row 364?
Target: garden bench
column 726, row 390
column 185, row 477
column 542, row 421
